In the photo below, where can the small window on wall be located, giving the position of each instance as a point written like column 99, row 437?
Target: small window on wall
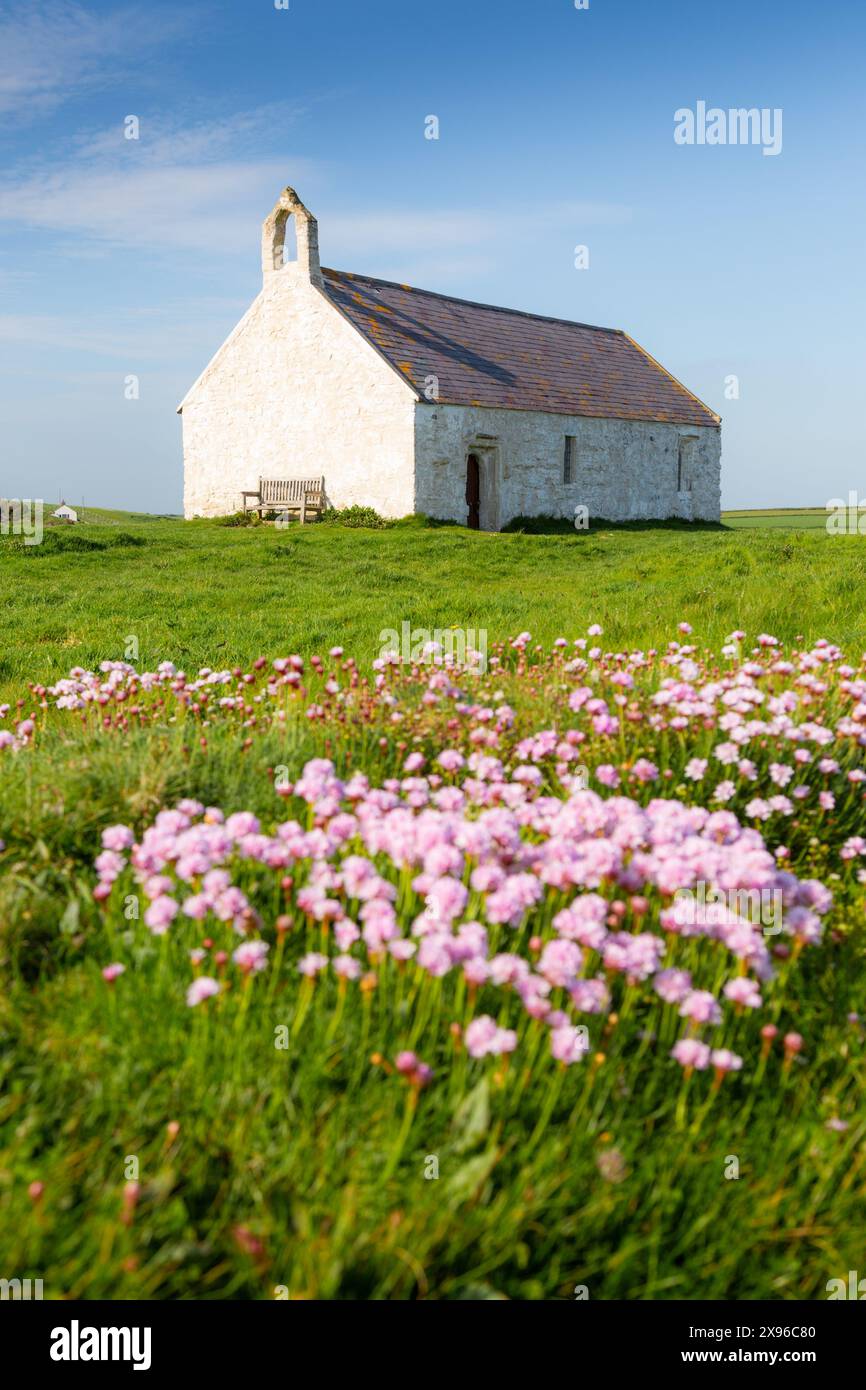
column 684, row 455
column 568, row 459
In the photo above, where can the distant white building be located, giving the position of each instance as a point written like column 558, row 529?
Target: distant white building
column 64, row 513
column 409, row 401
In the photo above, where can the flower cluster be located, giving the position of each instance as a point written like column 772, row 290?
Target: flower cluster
column 777, row 736
column 556, row 905
column 20, row 736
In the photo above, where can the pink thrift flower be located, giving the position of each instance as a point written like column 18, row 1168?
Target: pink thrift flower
column 345, row 934
column 607, row 775
column 691, row 1053
column 701, row 1007
column 202, row 988
column 568, row 1044
column 160, row 915
column 560, row 962
column 117, row 837
column 451, row 760
column 109, row 864
column 483, row 1037
column 725, row 1060
column 197, row 907
column 312, row 964
column 251, row 956
column 402, row 949
column 672, row 985
column 744, row 992
column 590, row 996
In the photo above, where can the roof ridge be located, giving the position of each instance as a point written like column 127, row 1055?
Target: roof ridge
column 472, row 303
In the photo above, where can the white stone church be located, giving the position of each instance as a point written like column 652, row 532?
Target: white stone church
column 411, row 401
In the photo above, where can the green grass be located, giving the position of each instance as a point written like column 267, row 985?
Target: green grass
column 295, row 1170
column 107, row 516
column 200, row 594
column 787, row 518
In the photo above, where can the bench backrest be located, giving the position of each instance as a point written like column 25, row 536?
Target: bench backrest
column 290, row 490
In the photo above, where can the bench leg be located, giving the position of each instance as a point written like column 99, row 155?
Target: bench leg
column 303, row 510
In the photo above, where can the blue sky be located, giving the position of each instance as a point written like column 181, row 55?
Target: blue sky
column 127, row 258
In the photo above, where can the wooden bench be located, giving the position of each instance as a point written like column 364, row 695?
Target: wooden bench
column 301, row 495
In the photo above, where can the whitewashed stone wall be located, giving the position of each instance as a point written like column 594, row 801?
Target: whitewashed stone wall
column 295, row 391
column 623, row 469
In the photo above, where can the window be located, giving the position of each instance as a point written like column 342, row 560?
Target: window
column 684, row 454
column 568, row 459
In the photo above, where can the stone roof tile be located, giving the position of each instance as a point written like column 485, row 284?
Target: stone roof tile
column 486, row 356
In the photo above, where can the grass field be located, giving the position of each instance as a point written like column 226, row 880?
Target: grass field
column 273, row 1139
column 201, row 594
column 790, row 518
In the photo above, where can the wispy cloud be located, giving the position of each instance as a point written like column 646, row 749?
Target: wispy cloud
column 197, row 187
column 70, row 335
column 183, row 140
column 205, row 186
column 210, row 208
column 51, row 54
column 401, row 230
column 449, row 246
column 127, row 334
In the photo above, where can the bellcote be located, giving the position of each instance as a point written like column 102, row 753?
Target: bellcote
column 307, row 236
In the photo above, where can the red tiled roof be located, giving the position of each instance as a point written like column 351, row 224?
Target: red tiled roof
column 505, row 358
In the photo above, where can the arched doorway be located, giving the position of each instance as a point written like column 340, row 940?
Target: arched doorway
column 473, row 492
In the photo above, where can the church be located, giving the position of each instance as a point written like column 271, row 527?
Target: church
column 406, row 400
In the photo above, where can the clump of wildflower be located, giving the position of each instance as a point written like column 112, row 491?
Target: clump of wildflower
column 251, row 956
column 417, row 1073
column 484, row 1038
column 202, row 988
column 691, row 1054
